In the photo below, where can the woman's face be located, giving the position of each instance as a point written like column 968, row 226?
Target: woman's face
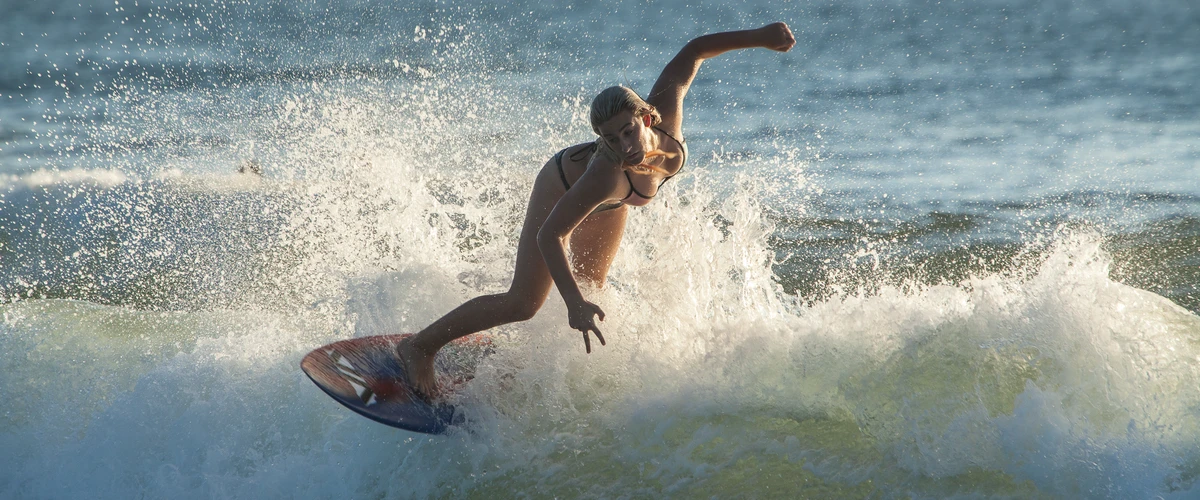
column 626, row 135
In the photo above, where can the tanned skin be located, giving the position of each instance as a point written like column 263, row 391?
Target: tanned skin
column 558, row 218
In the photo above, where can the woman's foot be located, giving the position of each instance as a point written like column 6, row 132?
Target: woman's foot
column 418, row 366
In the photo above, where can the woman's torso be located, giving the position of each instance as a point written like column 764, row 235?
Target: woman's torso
column 635, row 188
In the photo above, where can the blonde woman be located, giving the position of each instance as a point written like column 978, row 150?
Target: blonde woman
column 580, row 201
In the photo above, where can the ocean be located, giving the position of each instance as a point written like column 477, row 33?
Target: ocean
column 940, row 249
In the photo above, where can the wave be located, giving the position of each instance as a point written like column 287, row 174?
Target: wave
column 771, row 333
column 142, row 314
column 1060, row 382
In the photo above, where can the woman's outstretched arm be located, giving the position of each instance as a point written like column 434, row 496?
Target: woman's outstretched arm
column 676, row 78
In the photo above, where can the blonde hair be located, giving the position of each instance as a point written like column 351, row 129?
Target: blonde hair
column 612, row 101
column 616, row 99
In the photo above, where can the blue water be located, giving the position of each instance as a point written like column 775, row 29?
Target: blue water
column 939, row 249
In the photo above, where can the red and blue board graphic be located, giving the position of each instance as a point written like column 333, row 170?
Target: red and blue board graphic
column 366, row 375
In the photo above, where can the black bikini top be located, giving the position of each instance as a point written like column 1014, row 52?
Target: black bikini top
column 590, row 149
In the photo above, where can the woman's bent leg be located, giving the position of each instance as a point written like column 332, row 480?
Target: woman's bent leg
column 530, row 286
column 594, row 245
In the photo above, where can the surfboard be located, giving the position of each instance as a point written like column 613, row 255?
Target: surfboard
column 367, row 376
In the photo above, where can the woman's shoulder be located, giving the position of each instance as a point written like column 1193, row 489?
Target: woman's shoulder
column 674, row 135
column 579, row 153
column 602, row 174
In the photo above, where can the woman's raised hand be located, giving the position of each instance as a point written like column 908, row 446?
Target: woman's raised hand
column 778, row 37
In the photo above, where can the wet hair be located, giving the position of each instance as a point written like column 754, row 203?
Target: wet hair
column 616, row 99
column 611, row 101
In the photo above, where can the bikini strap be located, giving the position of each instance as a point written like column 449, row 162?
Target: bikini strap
column 583, row 153
column 668, row 134
column 681, row 148
column 562, row 175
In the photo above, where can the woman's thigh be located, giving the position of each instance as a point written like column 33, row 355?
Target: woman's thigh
column 594, row 244
column 531, row 277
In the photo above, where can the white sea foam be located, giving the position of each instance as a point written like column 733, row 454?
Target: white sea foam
column 387, row 200
column 54, row 178
column 1055, row 380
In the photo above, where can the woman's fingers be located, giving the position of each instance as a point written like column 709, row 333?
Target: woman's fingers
column 781, row 37
column 591, row 327
column 587, row 340
column 586, row 324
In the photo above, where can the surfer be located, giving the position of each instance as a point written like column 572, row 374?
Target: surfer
column 580, row 200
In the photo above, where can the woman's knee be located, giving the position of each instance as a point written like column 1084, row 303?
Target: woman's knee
column 521, row 308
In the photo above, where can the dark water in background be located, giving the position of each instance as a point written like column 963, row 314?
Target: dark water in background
column 940, row 248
